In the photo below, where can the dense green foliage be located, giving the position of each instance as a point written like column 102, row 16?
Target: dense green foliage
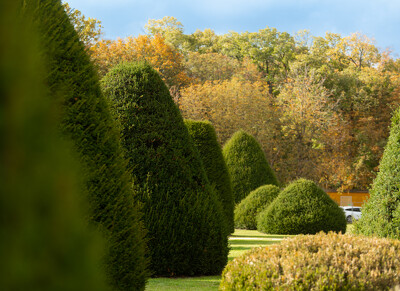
column 247, row 165
column 247, row 210
column 302, row 208
column 45, row 243
column 205, row 139
column 87, row 121
column 182, row 212
column 317, row 262
column 381, row 213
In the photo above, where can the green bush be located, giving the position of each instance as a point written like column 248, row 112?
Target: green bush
column 302, row 208
column 381, row 214
column 247, row 165
column 247, row 210
column 317, row 262
column 205, row 139
column 86, row 120
column 45, row 243
column 181, row 211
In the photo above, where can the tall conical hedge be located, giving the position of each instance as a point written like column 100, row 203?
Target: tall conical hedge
column 381, row 214
column 45, row 243
column 182, row 213
column 87, row 121
column 247, row 165
column 205, row 139
column 302, row 208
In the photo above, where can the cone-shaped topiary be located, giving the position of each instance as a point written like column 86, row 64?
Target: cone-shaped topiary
column 182, row 213
column 302, row 208
column 247, row 165
column 205, row 139
column 381, row 213
column 247, row 210
column 45, row 243
column 87, row 121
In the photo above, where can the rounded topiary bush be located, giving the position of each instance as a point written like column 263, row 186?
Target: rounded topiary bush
column 317, row 262
column 247, row 210
column 86, row 120
column 182, row 212
column 381, row 213
column 247, row 165
column 205, row 139
column 302, row 208
column 45, row 243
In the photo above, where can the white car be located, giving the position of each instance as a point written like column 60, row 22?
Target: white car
column 352, row 212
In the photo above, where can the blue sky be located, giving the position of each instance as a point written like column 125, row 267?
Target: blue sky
column 378, row 19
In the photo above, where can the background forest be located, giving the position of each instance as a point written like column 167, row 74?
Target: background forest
column 319, row 106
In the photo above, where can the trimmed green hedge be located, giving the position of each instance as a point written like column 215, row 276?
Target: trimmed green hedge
column 181, row 211
column 302, row 208
column 317, row 262
column 381, row 213
column 86, row 120
column 205, row 139
column 45, row 243
column 247, row 210
column 247, row 165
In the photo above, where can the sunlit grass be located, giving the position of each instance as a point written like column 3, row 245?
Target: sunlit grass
column 189, row 283
column 240, row 242
column 255, row 233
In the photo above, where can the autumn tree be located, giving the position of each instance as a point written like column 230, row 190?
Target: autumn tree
column 170, row 29
column 154, row 50
column 218, row 67
column 231, row 105
column 356, row 80
column 306, row 113
column 89, row 29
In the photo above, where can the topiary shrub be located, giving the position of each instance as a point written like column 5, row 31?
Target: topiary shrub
column 247, row 210
column 317, row 262
column 86, row 120
column 205, row 139
column 381, row 213
column 302, row 208
column 45, row 243
column 182, row 213
column 247, row 165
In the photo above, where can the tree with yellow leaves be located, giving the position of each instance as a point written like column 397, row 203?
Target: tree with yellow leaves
column 161, row 56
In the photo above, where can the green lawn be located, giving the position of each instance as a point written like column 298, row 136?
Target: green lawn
column 240, row 242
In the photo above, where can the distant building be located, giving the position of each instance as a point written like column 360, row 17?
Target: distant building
column 350, row 198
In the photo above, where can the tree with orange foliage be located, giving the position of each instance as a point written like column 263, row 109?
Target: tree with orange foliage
column 231, row 105
column 163, row 57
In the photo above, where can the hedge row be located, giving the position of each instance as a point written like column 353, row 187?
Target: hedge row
column 317, row 262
